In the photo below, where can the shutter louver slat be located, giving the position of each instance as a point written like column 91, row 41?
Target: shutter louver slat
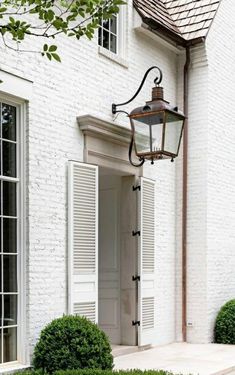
column 84, row 209
column 147, row 263
column 83, row 230
column 86, row 309
column 148, row 217
column 148, row 313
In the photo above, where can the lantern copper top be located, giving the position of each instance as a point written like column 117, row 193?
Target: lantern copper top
column 157, row 104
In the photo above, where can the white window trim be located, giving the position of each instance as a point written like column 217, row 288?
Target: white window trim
column 120, row 57
column 22, row 347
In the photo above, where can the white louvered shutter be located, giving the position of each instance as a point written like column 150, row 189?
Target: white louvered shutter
column 146, row 291
column 83, row 240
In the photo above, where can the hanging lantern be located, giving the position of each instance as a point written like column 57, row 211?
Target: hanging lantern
column 157, row 127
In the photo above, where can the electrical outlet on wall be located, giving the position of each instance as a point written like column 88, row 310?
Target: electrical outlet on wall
column 189, row 324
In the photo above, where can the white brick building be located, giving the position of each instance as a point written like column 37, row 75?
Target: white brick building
column 54, row 113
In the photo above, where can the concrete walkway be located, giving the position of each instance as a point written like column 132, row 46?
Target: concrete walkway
column 182, row 358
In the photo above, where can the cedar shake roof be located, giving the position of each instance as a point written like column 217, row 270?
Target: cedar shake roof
column 183, row 19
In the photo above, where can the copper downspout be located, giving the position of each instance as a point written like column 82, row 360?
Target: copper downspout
column 184, row 199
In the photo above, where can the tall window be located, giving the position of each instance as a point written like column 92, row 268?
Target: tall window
column 108, row 34
column 8, row 233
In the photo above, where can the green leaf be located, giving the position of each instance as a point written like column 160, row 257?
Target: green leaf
column 45, row 47
column 56, row 57
column 52, row 48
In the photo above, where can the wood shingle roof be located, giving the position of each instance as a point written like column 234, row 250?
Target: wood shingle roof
column 187, row 19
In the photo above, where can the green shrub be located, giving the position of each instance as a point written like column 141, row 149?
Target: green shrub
column 72, row 342
column 110, row 372
column 98, row 372
column 225, row 324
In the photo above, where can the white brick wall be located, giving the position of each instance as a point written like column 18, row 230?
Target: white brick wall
column 221, row 168
column 197, row 202
column 211, row 175
column 85, row 82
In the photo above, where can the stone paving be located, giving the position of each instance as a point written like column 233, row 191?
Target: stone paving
column 183, row 358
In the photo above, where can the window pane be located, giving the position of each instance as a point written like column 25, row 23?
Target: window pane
column 113, row 25
column 9, row 159
column 9, row 273
column 113, row 43
column 1, row 314
column 9, row 344
column 1, row 235
column 106, row 24
column 9, row 198
column 9, row 235
column 0, row 345
column 105, row 39
column 8, row 122
column 100, row 36
column 10, row 310
column 1, row 280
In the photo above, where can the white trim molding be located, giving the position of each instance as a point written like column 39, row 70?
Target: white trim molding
column 106, row 144
column 15, row 86
column 20, row 180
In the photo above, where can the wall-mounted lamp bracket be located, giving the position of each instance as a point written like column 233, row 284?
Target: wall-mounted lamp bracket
column 157, row 82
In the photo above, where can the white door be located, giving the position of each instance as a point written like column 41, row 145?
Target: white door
column 109, row 257
column 146, row 286
column 83, row 240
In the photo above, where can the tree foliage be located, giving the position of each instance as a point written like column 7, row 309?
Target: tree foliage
column 47, row 19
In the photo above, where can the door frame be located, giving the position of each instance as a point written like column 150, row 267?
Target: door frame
column 106, row 144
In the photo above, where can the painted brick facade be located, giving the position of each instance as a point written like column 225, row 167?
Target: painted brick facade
column 221, row 171
column 87, row 83
column 211, row 262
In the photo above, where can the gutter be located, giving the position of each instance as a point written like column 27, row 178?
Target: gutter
column 185, row 197
column 185, row 186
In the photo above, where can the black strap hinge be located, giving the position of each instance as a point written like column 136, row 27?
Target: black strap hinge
column 135, row 322
column 135, row 278
column 136, row 233
column 134, row 188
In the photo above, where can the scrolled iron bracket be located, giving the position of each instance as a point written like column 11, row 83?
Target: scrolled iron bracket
column 156, row 81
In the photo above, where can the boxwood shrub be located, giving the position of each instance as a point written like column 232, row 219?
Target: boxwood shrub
column 97, row 372
column 225, row 324
column 110, row 372
column 72, row 342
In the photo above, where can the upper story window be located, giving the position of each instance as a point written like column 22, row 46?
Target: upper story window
column 109, row 34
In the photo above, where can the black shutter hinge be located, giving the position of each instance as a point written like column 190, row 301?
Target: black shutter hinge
column 135, row 322
column 134, row 188
column 135, row 278
column 136, row 233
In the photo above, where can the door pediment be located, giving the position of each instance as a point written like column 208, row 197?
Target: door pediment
column 106, row 144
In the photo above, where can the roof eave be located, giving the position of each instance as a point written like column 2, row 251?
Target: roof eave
column 169, row 34
column 161, row 29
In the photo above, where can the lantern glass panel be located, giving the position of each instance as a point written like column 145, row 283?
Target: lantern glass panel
column 148, row 133
column 173, row 132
